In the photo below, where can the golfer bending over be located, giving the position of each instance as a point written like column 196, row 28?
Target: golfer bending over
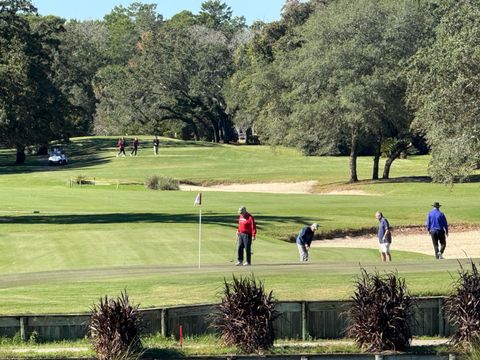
column 304, row 239
column 247, row 229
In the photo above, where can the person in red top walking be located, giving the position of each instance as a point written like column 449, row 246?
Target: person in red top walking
column 121, row 146
column 246, row 232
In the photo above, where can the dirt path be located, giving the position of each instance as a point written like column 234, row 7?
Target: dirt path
column 459, row 244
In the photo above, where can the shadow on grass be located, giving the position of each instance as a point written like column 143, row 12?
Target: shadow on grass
column 423, row 179
column 393, row 180
column 41, row 165
column 84, row 152
column 93, row 145
column 118, row 218
column 159, row 353
column 409, row 179
column 173, row 144
column 162, row 353
column 81, row 154
column 429, row 349
column 473, row 178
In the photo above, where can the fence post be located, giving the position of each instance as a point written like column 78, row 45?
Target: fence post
column 163, row 322
column 23, row 335
column 441, row 320
column 304, row 320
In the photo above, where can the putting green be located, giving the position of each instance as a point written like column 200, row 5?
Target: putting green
column 62, row 247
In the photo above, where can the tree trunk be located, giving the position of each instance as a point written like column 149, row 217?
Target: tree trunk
column 391, row 158
column 386, row 169
column 196, row 134
column 20, row 155
column 223, row 129
column 216, row 136
column 353, row 158
column 249, row 136
column 222, row 133
column 227, row 133
column 376, row 161
column 42, row 150
column 376, row 158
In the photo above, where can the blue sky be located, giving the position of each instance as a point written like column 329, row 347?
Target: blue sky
column 265, row 10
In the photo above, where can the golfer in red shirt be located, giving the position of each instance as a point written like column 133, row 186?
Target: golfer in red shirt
column 246, row 232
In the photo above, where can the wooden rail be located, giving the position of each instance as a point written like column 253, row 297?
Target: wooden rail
column 297, row 320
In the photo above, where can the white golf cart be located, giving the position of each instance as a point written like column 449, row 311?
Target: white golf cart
column 57, row 157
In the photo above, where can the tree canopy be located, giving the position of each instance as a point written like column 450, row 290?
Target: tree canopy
column 33, row 109
column 444, row 91
column 338, row 77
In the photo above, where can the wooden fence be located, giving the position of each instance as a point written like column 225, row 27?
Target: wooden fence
column 297, row 320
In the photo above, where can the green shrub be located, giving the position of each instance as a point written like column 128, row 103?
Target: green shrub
column 462, row 307
column 115, row 327
column 380, row 313
column 246, row 315
column 156, row 182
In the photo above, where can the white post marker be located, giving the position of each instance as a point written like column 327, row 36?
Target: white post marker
column 198, row 201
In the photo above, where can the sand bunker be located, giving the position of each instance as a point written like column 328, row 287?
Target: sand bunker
column 349, row 192
column 459, row 244
column 301, row 187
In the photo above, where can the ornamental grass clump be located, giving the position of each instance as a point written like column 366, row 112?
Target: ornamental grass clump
column 156, row 182
column 473, row 353
column 246, row 315
column 462, row 307
column 115, row 327
column 380, row 313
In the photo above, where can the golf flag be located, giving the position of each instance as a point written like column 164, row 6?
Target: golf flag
column 198, row 199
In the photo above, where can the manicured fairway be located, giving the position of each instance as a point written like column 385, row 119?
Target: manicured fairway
column 195, row 162
column 62, row 247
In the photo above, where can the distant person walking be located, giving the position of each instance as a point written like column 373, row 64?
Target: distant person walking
column 304, row 240
column 384, row 237
column 156, row 144
column 121, row 146
column 134, row 147
column 246, row 232
column 437, row 226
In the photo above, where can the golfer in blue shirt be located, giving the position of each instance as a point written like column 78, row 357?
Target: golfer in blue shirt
column 384, row 236
column 304, row 240
column 437, row 226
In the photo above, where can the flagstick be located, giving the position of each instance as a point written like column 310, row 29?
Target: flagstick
column 199, row 235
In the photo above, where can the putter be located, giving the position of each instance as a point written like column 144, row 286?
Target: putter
column 234, row 251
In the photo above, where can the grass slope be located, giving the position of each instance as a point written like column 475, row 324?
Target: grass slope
column 62, row 247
